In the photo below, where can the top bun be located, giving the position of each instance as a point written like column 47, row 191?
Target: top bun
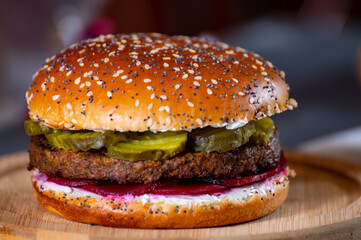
column 141, row 82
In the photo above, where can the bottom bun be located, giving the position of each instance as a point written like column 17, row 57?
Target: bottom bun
column 156, row 211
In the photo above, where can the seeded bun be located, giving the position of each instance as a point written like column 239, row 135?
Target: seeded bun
column 143, row 82
column 136, row 214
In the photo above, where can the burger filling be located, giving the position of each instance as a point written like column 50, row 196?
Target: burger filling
column 204, row 160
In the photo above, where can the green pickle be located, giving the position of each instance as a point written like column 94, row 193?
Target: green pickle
column 156, row 146
column 150, row 146
column 33, row 128
column 265, row 130
column 220, row 139
column 84, row 140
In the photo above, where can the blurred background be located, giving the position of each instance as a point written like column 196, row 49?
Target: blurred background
column 316, row 42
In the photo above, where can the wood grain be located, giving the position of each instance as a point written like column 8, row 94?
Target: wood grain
column 324, row 202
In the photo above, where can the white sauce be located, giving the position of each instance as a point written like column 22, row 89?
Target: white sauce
column 234, row 194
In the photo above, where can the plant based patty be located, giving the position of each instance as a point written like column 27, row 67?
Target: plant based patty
column 94, row 164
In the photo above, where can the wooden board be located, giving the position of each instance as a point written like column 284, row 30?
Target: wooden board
column 324, row 202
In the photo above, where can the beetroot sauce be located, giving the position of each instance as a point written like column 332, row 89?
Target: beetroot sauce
column 169, row 187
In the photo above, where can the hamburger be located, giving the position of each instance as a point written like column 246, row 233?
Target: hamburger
column 153, row 131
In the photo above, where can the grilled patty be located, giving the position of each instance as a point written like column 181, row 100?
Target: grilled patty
column 94, row 164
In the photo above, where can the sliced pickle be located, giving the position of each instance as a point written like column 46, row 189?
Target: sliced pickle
column 150, row 146
column 33, row 128
column 265, row 130
column 83, row 140
column 220, row 139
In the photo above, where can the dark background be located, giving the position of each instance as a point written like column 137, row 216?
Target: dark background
column 316, row 42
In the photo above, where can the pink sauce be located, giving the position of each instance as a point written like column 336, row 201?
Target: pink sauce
column 169, row 187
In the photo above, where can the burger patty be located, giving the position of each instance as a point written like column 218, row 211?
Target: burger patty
column 94, row 164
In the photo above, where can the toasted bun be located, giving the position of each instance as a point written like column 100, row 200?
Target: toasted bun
column 174, row 213
column 155, row 82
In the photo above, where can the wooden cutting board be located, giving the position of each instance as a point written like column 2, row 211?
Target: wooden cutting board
column 324, row 202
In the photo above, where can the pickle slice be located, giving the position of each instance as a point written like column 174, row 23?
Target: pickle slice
column 150, row 146
column 220, row 139
column 33, row 128
column 83, row 140
column 265, row 130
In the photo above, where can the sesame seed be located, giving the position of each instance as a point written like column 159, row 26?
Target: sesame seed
column 165, row 64
column 190, row 71
column 199, row 121
column 149, row 122
column 209, row 91
column 73, row 121
column 89, row 93
column 124, row 77
column 68, row 105
column 282, row 74
column 293, row 102
column 235, row 80
column 214, row 81
column 77, row 81
column 118, row 73
column 55, row 97
column 240, row 93
column 82, row 85
column 196, row 83
column 150, row 106
column 254, row 66
column 269, row 64
column 147, row 80
column 185, row 76
column 137, row 103
column 129, row 81
column 146, row 66
column 152, row 96
column 96, row 65
column 149, row 88
column 106, row 60
column 109, row 93
column 177, row 69
column 168, row 120
column 87, row 83
column 264, row 74
column 68, row 73
column 190, row 104
column 198, row 78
